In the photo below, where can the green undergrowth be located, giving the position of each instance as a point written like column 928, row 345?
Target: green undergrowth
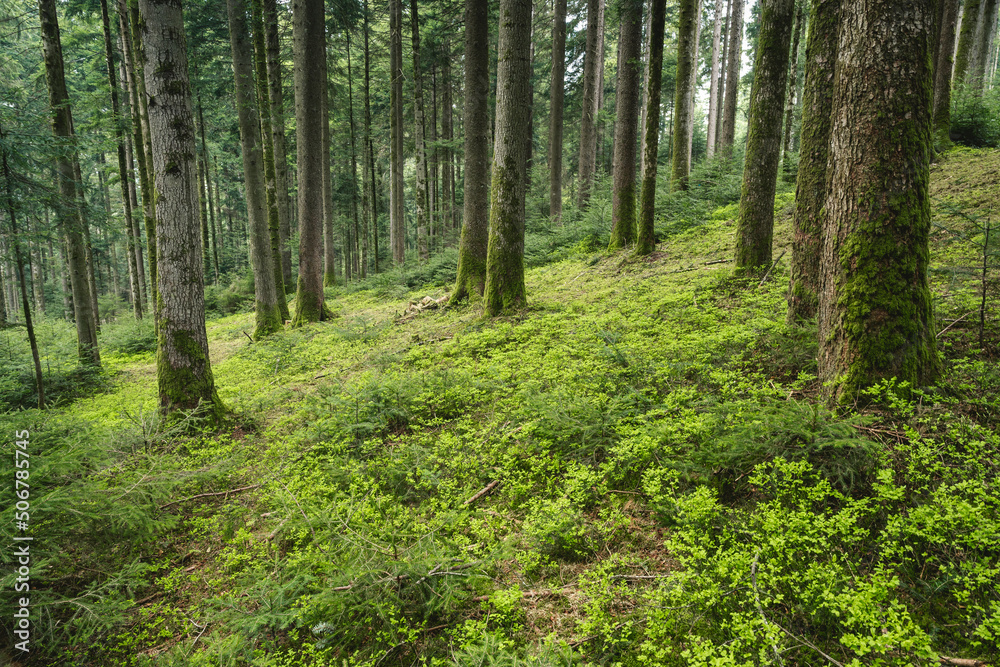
column 634, row 470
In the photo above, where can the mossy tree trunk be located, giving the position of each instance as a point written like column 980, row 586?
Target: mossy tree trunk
column 308, row 49
column 626, row 123
column 420, row 205
column 793, row 76
column 716, row 80
column 133, row 195
column 755, row 222
column 268, row 313
column 942, row 72
column 588, row 123
column 557, row 91
column 69, row 216
column 971, row 16
column 875, row 318
column 277, row 111
column 734, row 55
column 984, row 40
column 183, row 369
column 814, row 149
column 505, row 254
column 687, row 61
column 266, row 142
column 645, row 241
column 475, row 220
column 397, row 229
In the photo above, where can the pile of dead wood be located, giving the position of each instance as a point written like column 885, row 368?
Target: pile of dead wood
column 414, row 308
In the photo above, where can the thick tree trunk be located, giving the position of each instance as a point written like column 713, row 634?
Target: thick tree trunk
column 714, row 86
column 687, row 60
column 735, row 55
column 474, row 241
column 268, row 313
column 277, row 113
column 267, row 147
column 556, row 111
column 755, row 223
column 971, row 19
column 588, row 123
column 505, row 256
column 645, row 241
column 626, row 122
column 418, row 136
column 69, row 216
column 984, row 39
column 184, row 372
column 810, row 193
column 875, row 319
column 309, row 45
column 942, row 73
column 397, row 229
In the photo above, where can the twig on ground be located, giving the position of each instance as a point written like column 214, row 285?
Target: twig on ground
column 482, row 492
column 214, row 493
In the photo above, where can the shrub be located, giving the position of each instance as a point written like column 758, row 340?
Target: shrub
column 975, row 118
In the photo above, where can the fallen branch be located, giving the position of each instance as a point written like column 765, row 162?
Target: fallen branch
column 961, row 662
column 953, row 324
column 207, row 495
column 482, row 492
column 248, row 336
column 718, row 261
column 773, row 264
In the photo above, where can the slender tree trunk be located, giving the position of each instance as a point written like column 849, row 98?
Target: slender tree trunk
column 418, row 137
column 206, row 249
column 971, row 18
column 556, row 111
column 277, row 104
column 720, row 100
column 369, row 166
column 88, row 246
column 448, row 132
column 735, row 56
column 69, row 216
column 359, row 268
column 473, row 246
column 262, row 256
column 135, row 236
column 646, row 241
column 755, row 223
column 713, row 94
column 329, row 212
column 793, row 76
column 588, row 123
column 397, row 230
column 626, row 119
column 687, row 61
column 308, row 43
column 184, row 372
column 206, row 190
column 875, row 319
column 504, row 290
column 943, row 73
column 984, row 39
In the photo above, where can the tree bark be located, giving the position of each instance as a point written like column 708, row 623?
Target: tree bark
column 184, row 372
column 309, row 43
column 358, row 264
column 714, row 86
column 793, row 76
column 474, row 241
column 735, row 56
column 810, row 193
column 369, row 166
column 505, row 255
column 687, row 60
column 69, row 216
column 971, row 18
column 588, row 123
column 268, row 313
column 556, row 111
column 875, row 319
column 329, row 213
column 277, row 109
column 626, row 121
column 755, row 223
column 645, row 241
column 984, row 39
column 943, row 71
column 397, row 229
column 418, row 136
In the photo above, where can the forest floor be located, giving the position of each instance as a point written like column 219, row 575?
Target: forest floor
column 635, row 470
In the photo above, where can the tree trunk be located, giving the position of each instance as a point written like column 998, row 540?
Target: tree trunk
column 984, row 39
column 626, row 122
column 448, row 134
column 268, row 313
column 793, row 76
column 875, row 319
column 556, row 111
column 397, row 230
column 184, row 372
column 309, row 44
column 276, row 99
column 418, row 136
column 206, row 248
column 329, row 214
column 69, row 216
column 942, row 73
column 720, row 100
column 755, row 223
column 369, row 166
column 474, row 242
column 735, row 56
column 588, row 123
column 971, row 18
column 359, row 268
column 206, row 188
column 136, row 234
column 810, row 193
column 505, row 255
column 645, row 241
column 687, row 61
column 713, row 95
